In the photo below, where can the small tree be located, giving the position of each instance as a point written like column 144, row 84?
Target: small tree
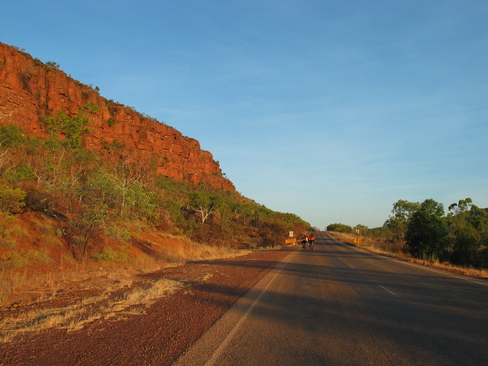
column 52, row 65
column 84, row 226
column 205, row 204
column 72, row 127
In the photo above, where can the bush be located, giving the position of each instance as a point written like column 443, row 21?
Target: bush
column 11, row 200
column 72, row 127
column 109, row 255
column 11, row 135
column 51, row 65
column 18, row 259
column 20, row 174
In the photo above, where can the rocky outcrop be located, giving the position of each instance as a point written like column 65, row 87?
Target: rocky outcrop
column 31, row 90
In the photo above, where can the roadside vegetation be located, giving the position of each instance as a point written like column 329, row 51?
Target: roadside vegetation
column 77, row 226
column 64, row 208
column 424, row 232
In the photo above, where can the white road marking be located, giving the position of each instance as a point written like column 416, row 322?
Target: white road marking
column 445, row 273
column 218, row 352
column 391, row 292
column 420, row 266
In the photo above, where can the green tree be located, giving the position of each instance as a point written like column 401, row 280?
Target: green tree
column 205, row 204
column 427, row 231
column 397, row 223
column 468, row 233
column 51, row 65
column 88, row 222
column 72, row 128
column 20, row 174
column 340, row 228
column 361, row 229
column 11, row 136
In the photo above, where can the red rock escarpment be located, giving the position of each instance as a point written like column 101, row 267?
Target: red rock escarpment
column 31, row 90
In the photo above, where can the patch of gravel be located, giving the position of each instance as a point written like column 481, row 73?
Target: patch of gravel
column 166, row 329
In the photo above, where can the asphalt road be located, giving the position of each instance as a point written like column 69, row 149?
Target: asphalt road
column 338, row 305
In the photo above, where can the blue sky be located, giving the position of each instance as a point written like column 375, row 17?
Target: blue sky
column 332, row 110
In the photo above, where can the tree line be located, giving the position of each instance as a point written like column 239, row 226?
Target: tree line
column 425, row 231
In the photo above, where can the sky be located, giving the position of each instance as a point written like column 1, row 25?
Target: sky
column 332, row 110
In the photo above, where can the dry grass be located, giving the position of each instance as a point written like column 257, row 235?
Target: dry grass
column 37, row 271
column 116, row 302
column 471, row 272
column 116, row 295
column 22, row 270
column 190, row 251
column 396, row 251
column 28, row 284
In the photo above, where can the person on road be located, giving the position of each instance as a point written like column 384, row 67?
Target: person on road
column 304, row 241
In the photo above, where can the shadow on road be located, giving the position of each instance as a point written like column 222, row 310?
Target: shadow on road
column 338, row 290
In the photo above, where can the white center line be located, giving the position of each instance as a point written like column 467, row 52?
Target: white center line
column 384, row 288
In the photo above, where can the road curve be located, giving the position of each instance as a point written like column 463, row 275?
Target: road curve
column 338, row 305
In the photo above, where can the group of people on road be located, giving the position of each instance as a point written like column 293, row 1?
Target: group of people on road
column 308, row 240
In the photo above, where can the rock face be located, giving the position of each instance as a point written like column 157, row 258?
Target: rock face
column 31, row 90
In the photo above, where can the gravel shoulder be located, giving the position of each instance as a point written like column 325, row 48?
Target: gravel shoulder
column 165, row 330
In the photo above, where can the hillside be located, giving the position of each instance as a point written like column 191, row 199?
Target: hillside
column 31, row 90
column 86, row 183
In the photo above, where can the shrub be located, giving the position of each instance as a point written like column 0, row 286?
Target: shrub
column 17, row 259
column 51, row 65
column 20, row 174
column 72, row 127
column 114, row 231
column 11, row 200
column 11, row 135
column 109, row 255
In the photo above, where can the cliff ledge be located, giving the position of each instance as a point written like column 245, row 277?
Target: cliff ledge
column 31, row 90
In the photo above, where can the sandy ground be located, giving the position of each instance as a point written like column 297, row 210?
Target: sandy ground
column 168, row 327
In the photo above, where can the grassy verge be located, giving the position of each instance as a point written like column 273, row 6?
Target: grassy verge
column 39, row 291
column 396, row 250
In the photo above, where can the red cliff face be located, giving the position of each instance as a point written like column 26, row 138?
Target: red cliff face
column 30, row 90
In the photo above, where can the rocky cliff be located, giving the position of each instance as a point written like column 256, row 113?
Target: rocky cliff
column 31, row 90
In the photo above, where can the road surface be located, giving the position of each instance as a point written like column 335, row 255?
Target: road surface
column 337, row 305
